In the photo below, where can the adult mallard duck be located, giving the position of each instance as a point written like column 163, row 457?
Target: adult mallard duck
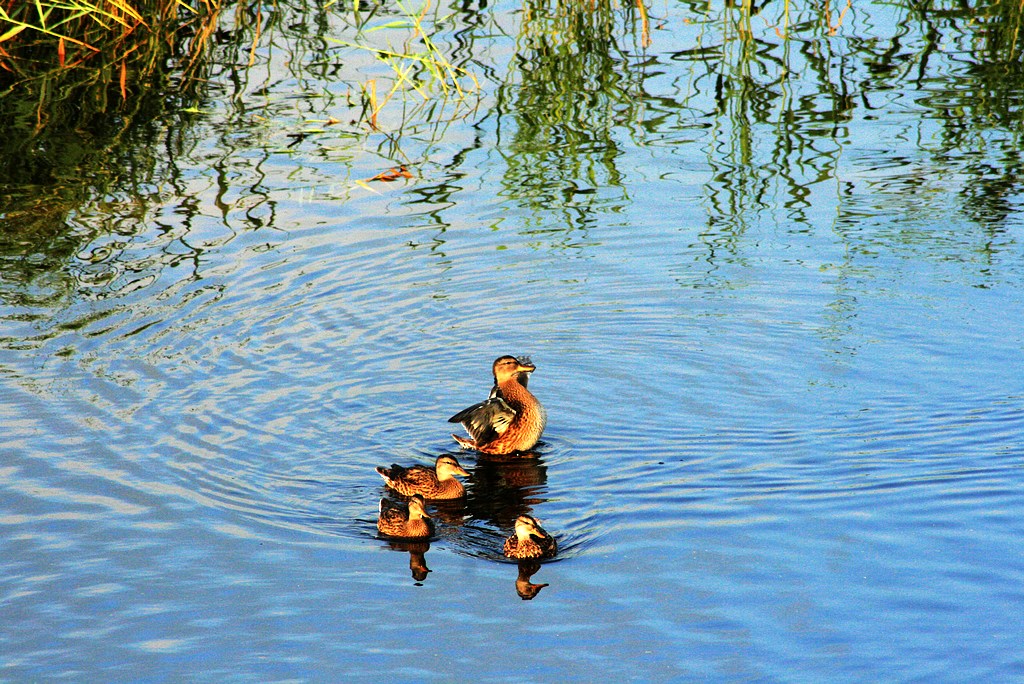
column 407, row 522
column 530, row 540
column 433, row 483
column 511, row 419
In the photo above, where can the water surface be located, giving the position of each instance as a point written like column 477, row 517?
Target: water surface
column 773, row 288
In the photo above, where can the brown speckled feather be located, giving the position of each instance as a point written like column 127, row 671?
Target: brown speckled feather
column 407, row 522
column 432, row 483
column 529, row 540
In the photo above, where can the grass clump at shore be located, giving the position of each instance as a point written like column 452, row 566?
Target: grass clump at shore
column 95, row 52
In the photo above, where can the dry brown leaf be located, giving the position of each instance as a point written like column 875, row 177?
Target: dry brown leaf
column 392, row 175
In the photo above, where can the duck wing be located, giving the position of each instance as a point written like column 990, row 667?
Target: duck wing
column 486, row 420
column 392, row 513
column 415, row 476
column 547, row 544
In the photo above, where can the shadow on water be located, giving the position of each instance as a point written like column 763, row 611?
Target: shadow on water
column 498, row 493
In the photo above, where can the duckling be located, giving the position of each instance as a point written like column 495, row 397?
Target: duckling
column 412, row 522
column 433, row 483
column 511, row 419
column 530, row 540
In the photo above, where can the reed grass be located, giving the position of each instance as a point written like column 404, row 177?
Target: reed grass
column 427, row 72
column 104, row 44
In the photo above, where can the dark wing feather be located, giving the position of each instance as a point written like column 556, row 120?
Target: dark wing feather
column 392, row 513
column 392, row 473
column 547, row 544
column 486, row 420
column 418, row 475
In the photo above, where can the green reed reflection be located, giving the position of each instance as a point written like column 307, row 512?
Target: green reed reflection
column 80, row 83
column 771, row 93
column 571, row 94
column 99, row 54
column 789, row 82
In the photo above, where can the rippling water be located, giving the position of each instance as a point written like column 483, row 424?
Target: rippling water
column 785, row 412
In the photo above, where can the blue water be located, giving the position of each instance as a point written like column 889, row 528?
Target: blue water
column 777, row 337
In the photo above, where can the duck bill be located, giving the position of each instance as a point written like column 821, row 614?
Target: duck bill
column 525, row 366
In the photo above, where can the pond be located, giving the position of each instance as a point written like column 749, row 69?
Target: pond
column 769, row 268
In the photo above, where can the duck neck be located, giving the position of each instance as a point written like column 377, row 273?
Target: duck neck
column 515, row 394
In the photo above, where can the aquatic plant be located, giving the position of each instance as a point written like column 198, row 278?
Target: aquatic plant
column 77, row 78
column 417, row 62
column 43, row 34
column 96, row 52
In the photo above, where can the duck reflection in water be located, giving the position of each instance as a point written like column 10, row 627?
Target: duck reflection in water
column 529, row 543
column 526, row 589
column 501, row 492
column 417, row 556
column 409, row 528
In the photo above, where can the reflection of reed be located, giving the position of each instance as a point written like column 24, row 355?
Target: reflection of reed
column 417, row 556
column 82, row 86
column 785, row 96
column 94, row 66
column 571, row 87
